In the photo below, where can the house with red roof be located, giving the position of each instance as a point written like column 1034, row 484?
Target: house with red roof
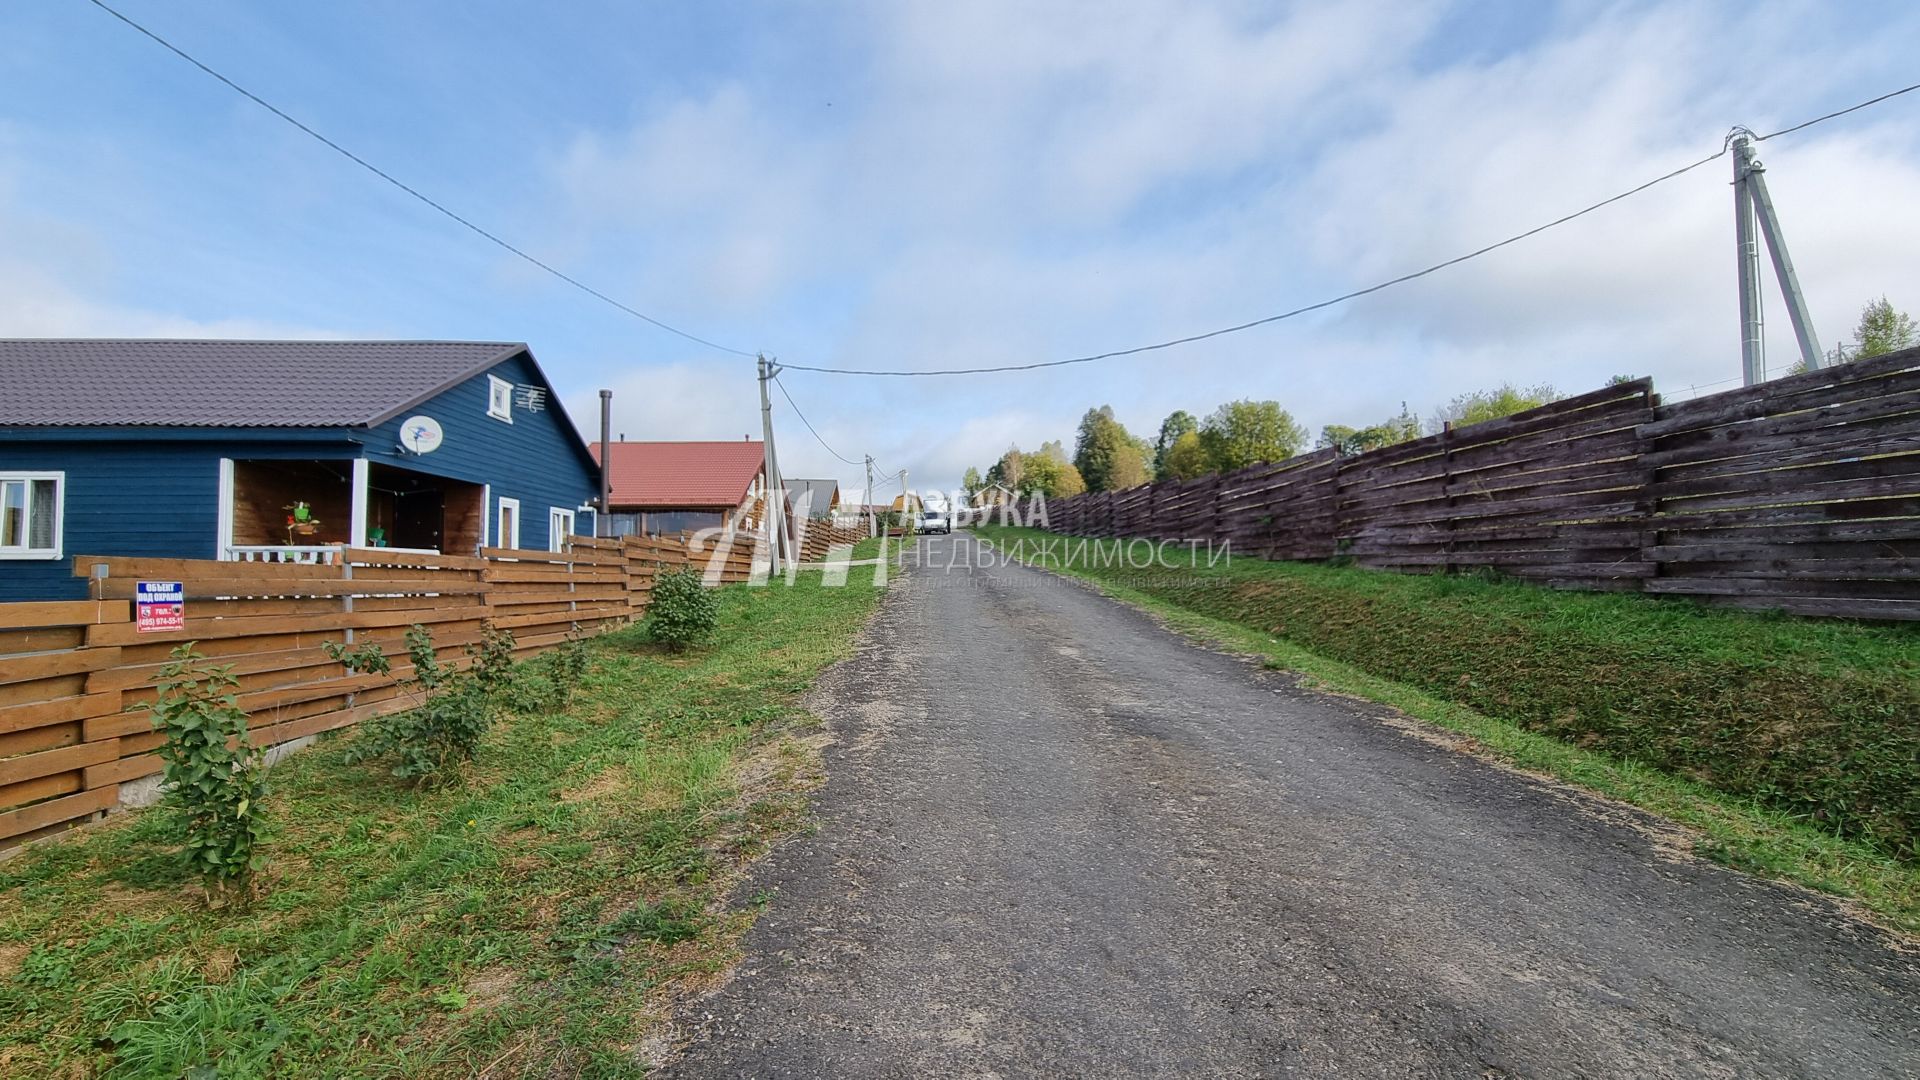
column 669, row 487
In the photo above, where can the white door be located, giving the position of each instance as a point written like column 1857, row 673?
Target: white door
column 508, row 534
column 559, row 527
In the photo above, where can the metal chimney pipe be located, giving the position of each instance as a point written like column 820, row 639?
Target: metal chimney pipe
column 603, row 514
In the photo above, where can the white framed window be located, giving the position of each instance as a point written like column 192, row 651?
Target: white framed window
column 32, row 505
column 559, row 527
column 507, row 534
column 499, row 398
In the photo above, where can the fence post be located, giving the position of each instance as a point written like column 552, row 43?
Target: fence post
column 1446, row 488
column 1648, row 503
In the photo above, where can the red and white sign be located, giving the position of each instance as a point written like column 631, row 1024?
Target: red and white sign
column 159, row 606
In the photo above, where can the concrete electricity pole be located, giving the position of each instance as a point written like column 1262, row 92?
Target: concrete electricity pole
column 1752, row 206
column 867, row 493
column 771, row 517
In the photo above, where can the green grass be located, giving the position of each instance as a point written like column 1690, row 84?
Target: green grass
column 536, row 919
column 1790, row 745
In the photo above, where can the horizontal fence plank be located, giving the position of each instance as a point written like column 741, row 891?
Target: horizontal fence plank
column 38, row 614
column 56, row 811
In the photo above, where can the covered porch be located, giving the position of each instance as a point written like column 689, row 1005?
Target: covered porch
column 305, row 511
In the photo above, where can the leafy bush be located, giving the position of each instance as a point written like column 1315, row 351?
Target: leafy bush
column 681, row 611
column 453, row 709
column 213, row 774
column 492, row 658
column 562, row 669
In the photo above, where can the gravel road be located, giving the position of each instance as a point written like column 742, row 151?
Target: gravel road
column 1059, row 840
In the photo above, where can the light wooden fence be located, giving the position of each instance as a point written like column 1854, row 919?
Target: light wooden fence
column 1801, row 495
column 71, row 671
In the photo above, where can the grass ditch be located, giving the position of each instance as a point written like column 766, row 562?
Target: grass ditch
column 539, row 919
column 1791, row 746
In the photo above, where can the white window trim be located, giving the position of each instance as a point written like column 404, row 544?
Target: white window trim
column 59, row 517
column 502, row 539
column 554, row 537
column 494, row 385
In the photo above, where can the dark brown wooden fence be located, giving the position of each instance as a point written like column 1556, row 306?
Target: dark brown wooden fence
column 1801, row 495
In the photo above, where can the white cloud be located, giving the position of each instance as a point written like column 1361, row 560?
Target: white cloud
column 681, row 400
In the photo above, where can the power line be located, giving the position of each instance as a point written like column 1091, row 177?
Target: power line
column 1841, row 112
column 809, row 423
column 389, row 178
column 1114, row 354
column 1357, row 293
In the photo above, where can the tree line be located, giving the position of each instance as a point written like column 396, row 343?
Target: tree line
column 1108, row 457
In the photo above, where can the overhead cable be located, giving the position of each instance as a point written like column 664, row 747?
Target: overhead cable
column 416, row 193
column 1356, row 293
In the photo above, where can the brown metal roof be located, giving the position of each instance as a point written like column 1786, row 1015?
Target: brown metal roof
column 109, row 382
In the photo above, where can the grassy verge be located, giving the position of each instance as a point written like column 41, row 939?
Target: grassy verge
column 1612, row 693
column 536, row 920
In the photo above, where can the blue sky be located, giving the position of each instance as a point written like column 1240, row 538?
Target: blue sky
column 913, row 185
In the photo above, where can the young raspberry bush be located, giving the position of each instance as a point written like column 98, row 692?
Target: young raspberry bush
column 213, row 775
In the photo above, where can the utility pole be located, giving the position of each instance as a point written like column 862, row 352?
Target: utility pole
column 867, row 495
column 1754, row 219
column 770, row 515
column 602, row 515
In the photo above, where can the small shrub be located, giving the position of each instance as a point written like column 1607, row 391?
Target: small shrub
column 453, row 711
column 681, row 611
column 492, row 658
column 562, row 669
column 213, row 774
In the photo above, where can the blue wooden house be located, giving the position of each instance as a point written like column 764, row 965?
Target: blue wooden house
column 277, row 451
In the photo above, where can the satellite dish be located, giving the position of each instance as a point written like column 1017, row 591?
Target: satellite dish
column 421, row 434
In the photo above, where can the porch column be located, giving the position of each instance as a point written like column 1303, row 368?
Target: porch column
column 357, row 530
column 223, row 531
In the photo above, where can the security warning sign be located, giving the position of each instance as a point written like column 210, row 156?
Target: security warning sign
column 159, row 606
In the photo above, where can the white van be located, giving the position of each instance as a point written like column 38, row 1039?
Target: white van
column 934, row 518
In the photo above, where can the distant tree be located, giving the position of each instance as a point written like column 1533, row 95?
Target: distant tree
column 1619, row 380
column 1882, row 329
column 1108, row 456
column 1389, row 432
column 1143, row 450
column 1048, row 472
column 1186, row 458
column 1242, row 433
column 972, row 482
column 1483, row 405
column 1179, row 422
column 1009, row 471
